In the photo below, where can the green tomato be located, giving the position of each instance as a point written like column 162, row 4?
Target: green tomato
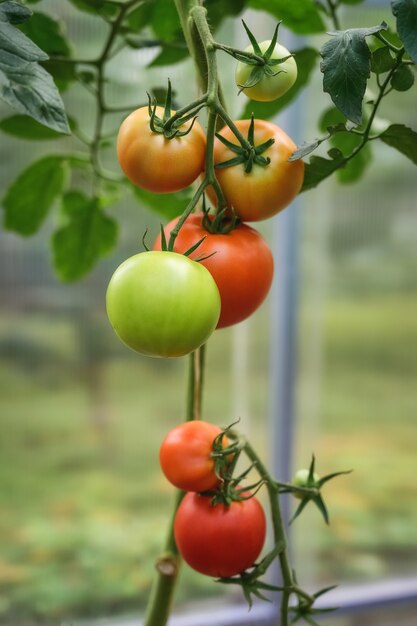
column 300, row 479
column 162, row 303
column 269, row 87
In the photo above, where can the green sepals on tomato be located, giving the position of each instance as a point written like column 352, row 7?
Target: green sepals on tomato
column 219, row 540
column 162, row 303
column 155, row 163
column 186, row 457
column 271, row 79
column 304, row 479
column 242, row 264
column 268, row 187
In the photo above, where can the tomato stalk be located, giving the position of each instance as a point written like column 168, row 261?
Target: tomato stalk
column 168, row 564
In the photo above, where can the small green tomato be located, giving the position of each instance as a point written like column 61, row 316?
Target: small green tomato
column 300, row 479
column 269, row 87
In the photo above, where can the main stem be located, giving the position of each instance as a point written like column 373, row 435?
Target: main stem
column 168, row 564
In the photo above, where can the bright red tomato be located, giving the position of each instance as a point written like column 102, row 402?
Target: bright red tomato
column 218, row 540
column 242, row 265
column 185, row 456
column 267, row 189
column 155, row 163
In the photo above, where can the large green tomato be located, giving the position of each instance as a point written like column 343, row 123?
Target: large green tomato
column 269, row 87
column 162, row 303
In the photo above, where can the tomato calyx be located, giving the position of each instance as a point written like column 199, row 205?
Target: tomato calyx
column 306, row 486
column 265, row 69
column 165, row 246
column 247, row 156
column 250, row 581
column 165, row 125
column 225, row 460
column 221, row 223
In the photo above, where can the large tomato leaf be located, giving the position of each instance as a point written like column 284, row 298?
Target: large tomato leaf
column 346, row 67
column 302, row 16
column 87, row 236
column 403, row 139
column 306, row 60
column 24, row 84
column 406, row 13
column 320, row 168
column 29, row 198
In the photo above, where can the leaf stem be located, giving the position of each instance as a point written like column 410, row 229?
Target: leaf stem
column 332, row 11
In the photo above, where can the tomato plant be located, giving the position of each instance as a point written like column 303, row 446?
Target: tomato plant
column 219, row 540
column 268, row 87
column 185, row 456
column 162, row 303
column 242, row 264
column 266, row 189
column 155, row 163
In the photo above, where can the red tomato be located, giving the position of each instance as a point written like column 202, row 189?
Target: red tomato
column 219, row 540
column 155, row 163
column 185, row 456
column 242, row 267
column 267, row 189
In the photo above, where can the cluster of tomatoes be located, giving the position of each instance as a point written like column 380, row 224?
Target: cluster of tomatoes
column 164, row 303
column 215, row 538
column 214, row 273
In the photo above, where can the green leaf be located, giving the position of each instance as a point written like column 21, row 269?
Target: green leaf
column 140, row 17
column 15, row 46
column 218, row 10
column 403, row 139
column 351, row 1
column 169, row 205
column 47, row 33
column 63, row 73
column 301, row 16
column 14, row 13
column 87, row 236
column 169, row 55
column 346, row 69
column 406, row 13
column 320, row 168
column 306, row 61
column 346, row 142
column 25, row 127
column 29, row 89
column 382, row 60
column 24, row 84
column 165, row 21
column 31, row 195
column 403, row 79
column 100, row 7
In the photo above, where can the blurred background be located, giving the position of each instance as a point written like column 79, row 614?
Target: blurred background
column 83, row 503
